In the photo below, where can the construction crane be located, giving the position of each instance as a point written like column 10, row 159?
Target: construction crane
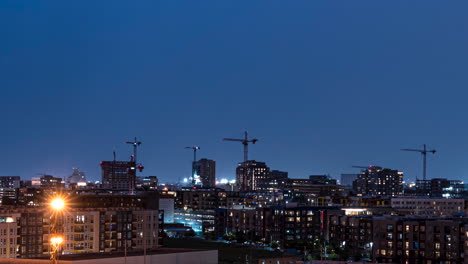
column 424, row 152
column 135, row 144
column 195, row 148
column 245, row 141
column 133, row 159
column 362, row 167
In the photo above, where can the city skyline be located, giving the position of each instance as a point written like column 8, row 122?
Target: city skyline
column 319, row 86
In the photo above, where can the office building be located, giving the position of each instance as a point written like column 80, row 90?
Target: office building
column 206, row 171
column 250, row 173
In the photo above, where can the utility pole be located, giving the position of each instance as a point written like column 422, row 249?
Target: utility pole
column 245, row 141
column 195, row 148
column 424, row 152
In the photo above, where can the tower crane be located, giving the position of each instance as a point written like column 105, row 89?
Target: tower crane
column 424, row 152
column 362, row 167
column 195, row 148
column 135, row 144
column 245, row 141
column 133, row 159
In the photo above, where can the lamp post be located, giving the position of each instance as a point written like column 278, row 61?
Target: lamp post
column 57, row 205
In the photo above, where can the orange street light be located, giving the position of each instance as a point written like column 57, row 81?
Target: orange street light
column 56, row 240
column 57, row 204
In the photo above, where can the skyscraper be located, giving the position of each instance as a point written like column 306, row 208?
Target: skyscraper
column 118, row 175
column 250, row 173
column 376, row 181
column 206, row 171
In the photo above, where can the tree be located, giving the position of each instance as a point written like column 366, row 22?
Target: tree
column 229, row 236
column 274, row 244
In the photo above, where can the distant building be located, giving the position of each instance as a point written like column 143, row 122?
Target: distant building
column 440, row 187
column 10, row 182
column 348, row 178
column 76, row 176
column 8, row 189
column 304, row 186
column 49, row 181
column 275, row 181
column 118, row 175
column 427, row 206
column 206, row 171
column 250, row 173
column 147, row 183
column 321, row 179
column 166, row 204
column 376, row 181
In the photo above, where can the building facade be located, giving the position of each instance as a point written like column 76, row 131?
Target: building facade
column 377, row 181
column 250, row 173
column 206, row 171
column 118, row 175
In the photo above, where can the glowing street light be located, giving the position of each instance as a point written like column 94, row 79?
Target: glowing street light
column 56, row 241
column 57, row 204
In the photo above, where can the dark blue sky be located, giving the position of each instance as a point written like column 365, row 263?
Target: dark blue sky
column 323, row 84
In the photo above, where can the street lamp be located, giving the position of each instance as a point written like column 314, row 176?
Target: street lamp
column 55, row 241
column 57, row 205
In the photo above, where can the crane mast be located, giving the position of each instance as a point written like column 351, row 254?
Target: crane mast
column 424, row 152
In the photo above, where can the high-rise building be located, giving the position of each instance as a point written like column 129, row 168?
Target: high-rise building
column 348, row 178
column 76, row 176
column 118, row 175
column 206, row 171
column 376, row 181
column 250, row 173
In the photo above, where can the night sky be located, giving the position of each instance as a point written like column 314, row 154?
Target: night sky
column 323, row 85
